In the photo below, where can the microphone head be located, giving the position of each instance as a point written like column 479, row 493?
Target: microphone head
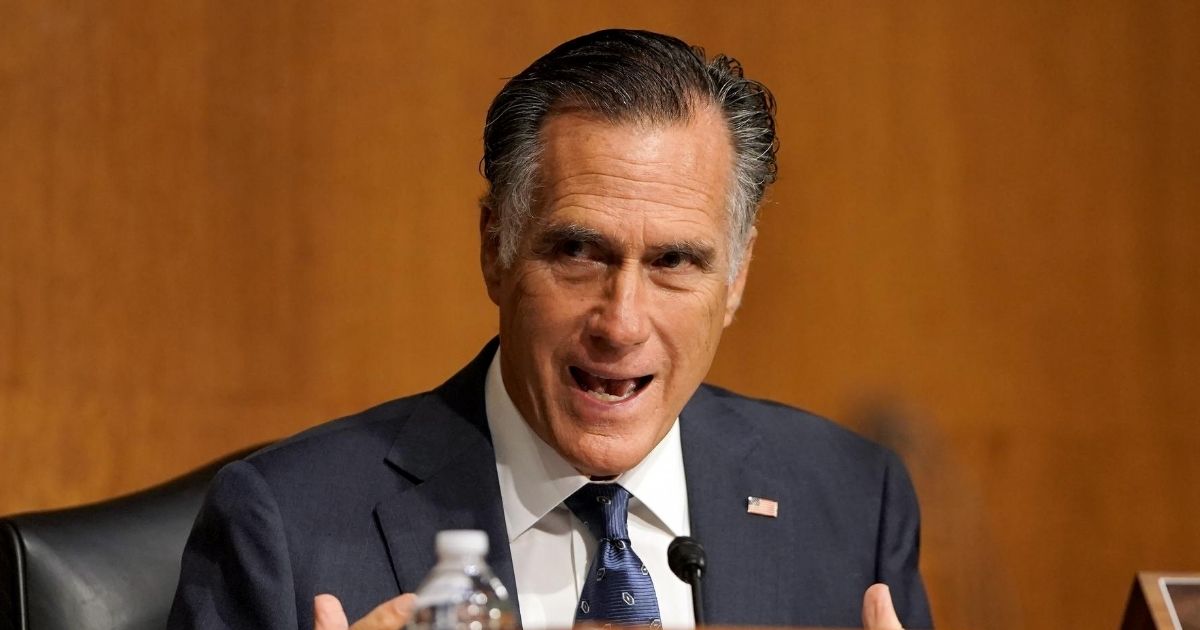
column 685, row 556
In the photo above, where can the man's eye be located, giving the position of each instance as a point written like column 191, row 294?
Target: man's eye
column 573, row 248
column 672, row 260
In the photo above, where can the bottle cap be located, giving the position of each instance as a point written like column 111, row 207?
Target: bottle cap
column 461, row 542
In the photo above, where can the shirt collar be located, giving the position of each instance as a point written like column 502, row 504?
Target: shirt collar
column 535, row 479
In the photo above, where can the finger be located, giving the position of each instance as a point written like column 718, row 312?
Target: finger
column 390, row 615
column 328, row 613
column 878, row 612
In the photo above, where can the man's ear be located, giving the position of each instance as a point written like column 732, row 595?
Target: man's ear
column 733, row 298
column 489, row 250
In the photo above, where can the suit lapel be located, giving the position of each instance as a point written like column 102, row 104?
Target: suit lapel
column 719, row 458
column 444, row 449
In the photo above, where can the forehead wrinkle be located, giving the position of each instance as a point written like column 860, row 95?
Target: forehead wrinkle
column 649, row 168
column 693, row 172
column 563, row 202
column 671, row 184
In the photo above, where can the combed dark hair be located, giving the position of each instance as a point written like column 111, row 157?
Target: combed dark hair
column 626, row 76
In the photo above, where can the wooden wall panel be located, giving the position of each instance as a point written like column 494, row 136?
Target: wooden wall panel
column 223, row 222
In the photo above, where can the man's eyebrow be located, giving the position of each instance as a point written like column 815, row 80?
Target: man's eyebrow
column 552, row 235
column 559, row 232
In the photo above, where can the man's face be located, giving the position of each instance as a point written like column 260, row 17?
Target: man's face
column 613, row 308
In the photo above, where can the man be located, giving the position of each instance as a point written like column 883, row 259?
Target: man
column 625, row 175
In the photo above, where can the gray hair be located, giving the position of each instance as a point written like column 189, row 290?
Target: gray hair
column 625, row 76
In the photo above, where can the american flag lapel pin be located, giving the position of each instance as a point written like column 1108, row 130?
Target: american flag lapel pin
column 762, row 507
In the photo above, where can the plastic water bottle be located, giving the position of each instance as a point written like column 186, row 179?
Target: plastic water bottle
column 461, row 593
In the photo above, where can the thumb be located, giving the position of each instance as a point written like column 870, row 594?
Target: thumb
column 878, row 612
column 328, row 613
column 390, row 615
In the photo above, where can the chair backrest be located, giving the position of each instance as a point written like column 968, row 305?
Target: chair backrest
column 111, row 565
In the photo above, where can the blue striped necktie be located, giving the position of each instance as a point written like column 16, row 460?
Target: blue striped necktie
column 617, row 588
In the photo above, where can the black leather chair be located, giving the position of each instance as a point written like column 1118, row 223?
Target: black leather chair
column 111, row 565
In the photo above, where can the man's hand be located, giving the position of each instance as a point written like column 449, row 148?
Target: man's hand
column 878, row 613
column 390, row 615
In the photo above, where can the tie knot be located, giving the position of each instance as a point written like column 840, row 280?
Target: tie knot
column 603, row 508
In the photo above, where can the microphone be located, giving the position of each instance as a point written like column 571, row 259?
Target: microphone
column 685, row 556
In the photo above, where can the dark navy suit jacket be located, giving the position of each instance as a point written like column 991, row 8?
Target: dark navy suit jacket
column 351, row 508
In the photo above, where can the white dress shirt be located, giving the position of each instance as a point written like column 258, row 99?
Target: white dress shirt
column 550, row 548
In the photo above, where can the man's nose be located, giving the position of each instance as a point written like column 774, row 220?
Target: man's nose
column 621, row 320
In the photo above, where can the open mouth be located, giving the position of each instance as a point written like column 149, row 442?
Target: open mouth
column 609, row 390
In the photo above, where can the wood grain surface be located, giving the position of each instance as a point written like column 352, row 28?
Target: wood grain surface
column 222, row 222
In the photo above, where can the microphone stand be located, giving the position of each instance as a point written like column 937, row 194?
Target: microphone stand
column 697, row 597
column 686, row 558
